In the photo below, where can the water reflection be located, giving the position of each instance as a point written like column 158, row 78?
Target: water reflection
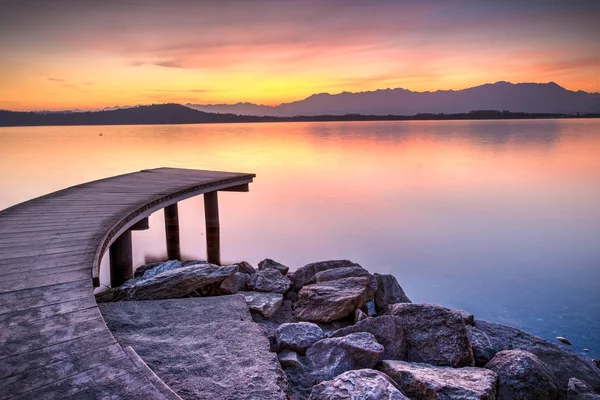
column 496, row 217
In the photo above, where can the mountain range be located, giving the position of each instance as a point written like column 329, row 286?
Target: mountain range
column 520, row 97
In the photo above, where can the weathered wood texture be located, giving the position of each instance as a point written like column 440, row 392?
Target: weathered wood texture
column 54, row 342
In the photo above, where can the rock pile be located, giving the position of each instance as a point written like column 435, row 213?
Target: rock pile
column 343, row 333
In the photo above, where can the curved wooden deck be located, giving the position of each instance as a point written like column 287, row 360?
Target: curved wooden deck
column 54, row 341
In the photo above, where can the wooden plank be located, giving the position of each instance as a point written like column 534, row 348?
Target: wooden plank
column 36, row 313
column 51, row 354
column 19, row 272
column 42, row 339
column 52, row 372
column 42, row 296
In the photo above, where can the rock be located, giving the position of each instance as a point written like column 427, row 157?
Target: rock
column 203, row 347
column 362, row 384
column 291, row 296
column 388, row 292
column 192, row 262
column 269, row 280
column 425, row 382
column 139, row 271
column 268, row 263
column 359, row 315
column 481, row 345
column 434, row 335
column 467, row 317
column 266, row 304
column 579, row 390
column 387, row 330
column 330, row 357
column 246, row 268
column 175, row 283
column 370, row 306
column 306, row 275
column 160, row 268
column 522, row 376
column 289, row 359
column 596, row 362
column 345, row 272
column 297, row 336
column 564, row 340
column 110, row 295
column 332, row 300
column 562, row 362
column 235, row 283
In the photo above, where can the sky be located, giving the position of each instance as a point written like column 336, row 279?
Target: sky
column 91, row 54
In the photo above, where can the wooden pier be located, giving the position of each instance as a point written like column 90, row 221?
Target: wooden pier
column 54, row 341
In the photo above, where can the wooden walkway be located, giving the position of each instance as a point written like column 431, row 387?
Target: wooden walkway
column 54, row 342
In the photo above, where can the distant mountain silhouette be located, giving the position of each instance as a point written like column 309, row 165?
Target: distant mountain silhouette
column 140, row 115
column 520, row 97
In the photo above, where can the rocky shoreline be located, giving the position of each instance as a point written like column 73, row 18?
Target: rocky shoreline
column 341, row 332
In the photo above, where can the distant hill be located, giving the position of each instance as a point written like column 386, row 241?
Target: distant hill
column 140, row 115
column 520, row 97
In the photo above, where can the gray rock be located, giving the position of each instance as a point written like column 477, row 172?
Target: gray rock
column 157, row 269
column 481, row 344
column 289, row 359
column 370, row 306
column 580, row 390
column 139, row 271
column 362, row 384
column 522, row 376
column 266, row 304
column 235, row 283
column 330, row 357
column 175, row 283
column 268, row 263
column 297, row 336
column 306, row 275
column 332, row 300
column 203, row 347
column 359, row 315
column 387, row 330
column 434, row 335
column 110, row 295
column 345, row 272
column 388, row 292
column 427, row 382
column 466, row 316
column 269, row 280
column 246, row 268
column 562, row 362
column 193, row 262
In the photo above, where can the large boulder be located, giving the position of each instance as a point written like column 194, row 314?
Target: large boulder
column 427, row 382
column 235, row 283
column 434, row 335
column 297, row 336
column 268, row 263
column 269, row 280
column 332, row 300
column 562, row 362
column 174, row 283
column 362, row 384
column 265, row 304
column 330, row 357
column 522, row 376
column 388, row 331
column 345, row 272
column 307, row 275
column 579, row 390
column 388, row 292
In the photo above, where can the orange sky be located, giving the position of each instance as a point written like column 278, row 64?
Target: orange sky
column 63, row 54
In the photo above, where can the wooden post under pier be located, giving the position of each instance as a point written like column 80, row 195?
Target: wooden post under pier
column 172, row 232
column 213, row 239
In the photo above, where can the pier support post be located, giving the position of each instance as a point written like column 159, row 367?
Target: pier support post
column 172, row 232
column 211, row 216
column 121, row 260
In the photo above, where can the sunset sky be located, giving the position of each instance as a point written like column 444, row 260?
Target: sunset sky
column 61, row 54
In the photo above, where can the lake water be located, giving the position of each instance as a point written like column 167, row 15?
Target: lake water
column 500, row 218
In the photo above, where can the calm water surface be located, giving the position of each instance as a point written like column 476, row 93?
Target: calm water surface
column 500, row 218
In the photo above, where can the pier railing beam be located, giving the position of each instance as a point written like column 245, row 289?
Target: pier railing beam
column 121, row 260
column 172, row 232
column 211, row 216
